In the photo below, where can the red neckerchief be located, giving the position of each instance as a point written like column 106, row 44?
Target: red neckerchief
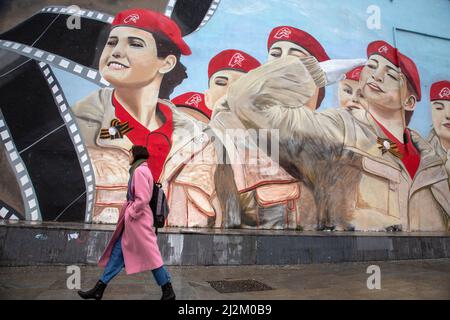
column 411, row 156
column 158, row 142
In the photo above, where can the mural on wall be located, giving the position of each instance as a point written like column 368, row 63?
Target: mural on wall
column 439, row 137
column 290, row 137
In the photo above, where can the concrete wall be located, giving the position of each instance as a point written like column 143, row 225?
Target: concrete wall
column 22, row 245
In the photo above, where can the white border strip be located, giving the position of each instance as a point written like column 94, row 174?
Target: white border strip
column 74, row 132
column 29, row 198
column 70, row 66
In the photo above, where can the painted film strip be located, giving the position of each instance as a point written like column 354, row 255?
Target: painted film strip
column 76, row 11
column 209, row 14
column 8, row 213
column 74, row 132
column 170, row 7
column 32, row 211
column 106, row 18
column 89, row 74
column 213, row 7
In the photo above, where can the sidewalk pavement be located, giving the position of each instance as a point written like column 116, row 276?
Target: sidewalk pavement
column 418, row 279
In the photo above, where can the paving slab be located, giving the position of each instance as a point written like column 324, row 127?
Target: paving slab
column 411, row 279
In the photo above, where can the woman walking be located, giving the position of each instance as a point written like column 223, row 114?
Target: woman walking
column 133, row 244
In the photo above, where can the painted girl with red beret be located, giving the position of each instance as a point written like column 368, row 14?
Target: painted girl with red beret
column 349, row 92
column 133, row 118
column 193, row 104
column 287, row 40
column 368, row 170
column 141, row 61
column 439, row 136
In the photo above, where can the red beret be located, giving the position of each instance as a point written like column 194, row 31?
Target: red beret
column 193, row 100
column 440, row 90
column 354, row 74
column 232, row 59
column 406, row 65
column 153, row 22
column 299, row 37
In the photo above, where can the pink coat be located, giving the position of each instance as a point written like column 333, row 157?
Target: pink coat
column 139, row 245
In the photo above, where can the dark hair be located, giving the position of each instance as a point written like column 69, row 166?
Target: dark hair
column 164, row 48
column 409, row 114
column 139, row 152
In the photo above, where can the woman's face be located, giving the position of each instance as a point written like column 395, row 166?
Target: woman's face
column 349, row 94
column 219, row 84
column 129, row 58
column 440, row 114
column 381, row 85
column 282, row 49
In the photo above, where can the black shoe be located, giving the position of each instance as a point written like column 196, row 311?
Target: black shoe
column 167, row 292
column 395, row 228
column 95, row 293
